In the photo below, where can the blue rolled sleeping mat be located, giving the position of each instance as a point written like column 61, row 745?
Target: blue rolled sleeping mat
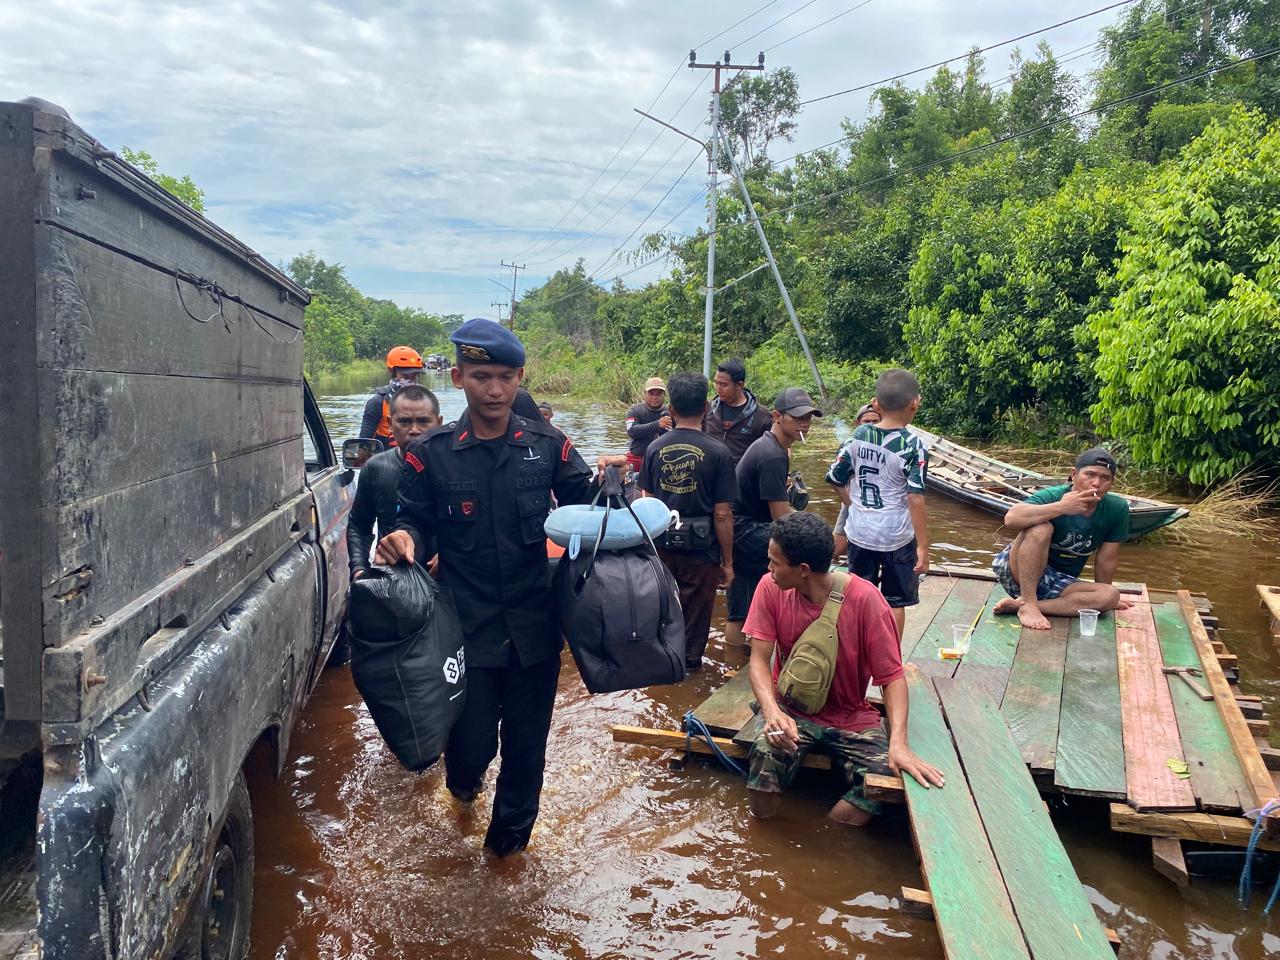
column 576, row 524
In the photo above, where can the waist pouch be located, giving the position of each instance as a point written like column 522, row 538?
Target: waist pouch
column 691, row 534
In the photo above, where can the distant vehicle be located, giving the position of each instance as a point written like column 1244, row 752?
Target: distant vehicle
column 438, row 361
column 172, row 553
column 995, row 486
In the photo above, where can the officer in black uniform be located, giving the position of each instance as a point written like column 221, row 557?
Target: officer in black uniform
column 483, row 486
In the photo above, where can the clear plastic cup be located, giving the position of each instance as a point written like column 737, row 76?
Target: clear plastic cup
column 960, row 634
column 1088, row 623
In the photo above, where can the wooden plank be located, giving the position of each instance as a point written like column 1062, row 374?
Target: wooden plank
column 1090, row 754
column 726, row 710
column 1270, row 757
column 105, row 311
column 1238, row 732
column 1258, row 728
column 1167, row 858
column 1034, row 695
column 1148, row 724
column 919, row 903
column 137, row 536
column 975, row 916
column 675, row 740
column 886, row 789
column 23, row 525
column 1212, row 828
column 1048, row 899
column 934, row 591
column 176, row 423
column 992, row 647
column 1270, row 599
column 963, row 605
column 1216, row 777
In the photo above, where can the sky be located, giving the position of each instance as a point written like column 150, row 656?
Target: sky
column 422, row 143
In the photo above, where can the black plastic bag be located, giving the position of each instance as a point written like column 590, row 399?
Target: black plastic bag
column 407, row 659
column 620, row 612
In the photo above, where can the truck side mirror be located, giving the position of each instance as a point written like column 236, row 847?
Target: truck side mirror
column 356, row 452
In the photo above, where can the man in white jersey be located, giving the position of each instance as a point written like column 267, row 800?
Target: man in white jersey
column 880, row 476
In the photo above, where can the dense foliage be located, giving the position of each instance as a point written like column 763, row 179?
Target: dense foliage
column 1046, row 270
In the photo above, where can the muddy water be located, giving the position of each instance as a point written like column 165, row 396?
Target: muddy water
column 358, row 859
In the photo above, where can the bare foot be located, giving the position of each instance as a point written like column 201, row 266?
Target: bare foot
column 1008, row 605
column 848, row 815
column 1032, row 618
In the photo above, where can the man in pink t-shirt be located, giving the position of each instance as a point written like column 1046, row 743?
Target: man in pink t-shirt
column 789, row 598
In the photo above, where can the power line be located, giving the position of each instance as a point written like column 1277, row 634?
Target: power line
column 543, row 249
column 803, row 6
column 732, row 25
column 965, row 56
column 857, row 6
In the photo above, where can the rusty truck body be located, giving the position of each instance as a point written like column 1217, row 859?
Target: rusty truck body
column 172, row 553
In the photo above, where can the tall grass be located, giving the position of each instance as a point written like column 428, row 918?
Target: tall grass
column 1244, row 506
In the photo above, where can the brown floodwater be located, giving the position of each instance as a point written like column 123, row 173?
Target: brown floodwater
column 357, row 858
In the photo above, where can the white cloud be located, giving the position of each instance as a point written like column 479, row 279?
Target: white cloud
column 438, row 138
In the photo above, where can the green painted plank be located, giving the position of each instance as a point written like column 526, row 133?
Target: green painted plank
column 1090, row 741
column 1216, row 778
column 726, row 710
column 963, row 605
column 1056, row 917
column 970, row 903
column 934, row 590
column 1034, row 694
column 991, row 649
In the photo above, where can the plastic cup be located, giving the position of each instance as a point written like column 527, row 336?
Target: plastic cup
column 1088, row 623
column 960, row 633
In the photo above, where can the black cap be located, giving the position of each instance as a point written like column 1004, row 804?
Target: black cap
column 1096, row 457
column 795, row 401
column 485, row 341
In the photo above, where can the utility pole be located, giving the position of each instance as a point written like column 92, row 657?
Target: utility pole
column 515, row 270
column 713, row 167
column 500, row 306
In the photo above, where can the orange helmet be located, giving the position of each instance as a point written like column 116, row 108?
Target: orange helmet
column 406, row 357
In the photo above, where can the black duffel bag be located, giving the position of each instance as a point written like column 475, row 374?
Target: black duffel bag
column 407, row 659
column 620, row 610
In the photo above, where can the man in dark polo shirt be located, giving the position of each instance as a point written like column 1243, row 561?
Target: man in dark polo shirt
column 647, row 420
column 736, row 417
column 483, row 485
column 763, row 496
column 693, row 474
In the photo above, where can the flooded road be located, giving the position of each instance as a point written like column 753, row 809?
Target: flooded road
column 357, row 858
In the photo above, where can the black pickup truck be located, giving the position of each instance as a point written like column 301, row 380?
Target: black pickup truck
column 173, row 565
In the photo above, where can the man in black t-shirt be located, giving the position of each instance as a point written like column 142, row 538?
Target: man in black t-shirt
column 763, row 498
column 693, row 474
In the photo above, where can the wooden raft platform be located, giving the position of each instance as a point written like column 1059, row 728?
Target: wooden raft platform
column 1269, row 598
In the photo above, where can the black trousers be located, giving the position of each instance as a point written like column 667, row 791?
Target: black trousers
column 511, row 703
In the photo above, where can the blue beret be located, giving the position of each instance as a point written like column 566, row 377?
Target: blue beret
column 485, row 341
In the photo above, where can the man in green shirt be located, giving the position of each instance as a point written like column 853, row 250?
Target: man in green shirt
column 1059, row 528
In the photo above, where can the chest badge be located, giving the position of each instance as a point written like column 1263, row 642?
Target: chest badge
column 468, row 507
column 531, row 454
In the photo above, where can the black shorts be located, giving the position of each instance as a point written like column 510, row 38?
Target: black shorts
column 893, row 571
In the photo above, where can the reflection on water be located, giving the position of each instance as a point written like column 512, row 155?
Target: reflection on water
column 358, row 859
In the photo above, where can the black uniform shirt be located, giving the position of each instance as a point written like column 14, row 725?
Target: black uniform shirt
column 375, row 500
column 762, row 477
column 486, row 508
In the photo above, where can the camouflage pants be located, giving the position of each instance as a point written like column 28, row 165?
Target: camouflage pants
column 853, row 754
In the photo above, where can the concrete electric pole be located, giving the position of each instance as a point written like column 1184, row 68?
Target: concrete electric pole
column 515, row 270
column 713, row 169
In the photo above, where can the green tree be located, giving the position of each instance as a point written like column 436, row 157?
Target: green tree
column 756, row 110
column 184, row 189
column 1189, row 353
column 326, row 335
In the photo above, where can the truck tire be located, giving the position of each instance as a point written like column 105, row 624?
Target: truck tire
column 218, row 926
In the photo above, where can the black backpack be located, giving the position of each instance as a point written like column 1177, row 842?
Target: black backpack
column 407, row 659
column 620, row 610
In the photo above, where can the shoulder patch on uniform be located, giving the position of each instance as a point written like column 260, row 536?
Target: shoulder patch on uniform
column 414, row 462
column 564, row 451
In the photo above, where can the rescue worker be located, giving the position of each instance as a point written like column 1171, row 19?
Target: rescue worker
column 736, row 418
column 414, row 411
column 482, row 485
column 405, row 367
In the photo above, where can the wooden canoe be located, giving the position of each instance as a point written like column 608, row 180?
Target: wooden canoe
column 995, row 486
